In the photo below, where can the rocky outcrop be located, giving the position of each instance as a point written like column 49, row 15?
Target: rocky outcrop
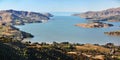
column 20, row 17
column 113, row 33
column 94, row 25
column 101, row 15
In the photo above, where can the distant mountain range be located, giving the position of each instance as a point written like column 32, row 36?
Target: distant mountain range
column 112, row 14
column 20, row 17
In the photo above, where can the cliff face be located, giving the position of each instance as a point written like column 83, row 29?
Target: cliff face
column 100, row 15
column 21, row 17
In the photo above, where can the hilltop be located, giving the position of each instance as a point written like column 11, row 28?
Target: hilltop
column 15, row 17
column 109, row 14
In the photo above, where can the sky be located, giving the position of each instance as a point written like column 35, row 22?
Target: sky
column 58, row 5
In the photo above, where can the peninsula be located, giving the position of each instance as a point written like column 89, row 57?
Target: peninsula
column 13, row 32
column 9, row 18
column 112, row 14
column 14, row 17
column 98, row 18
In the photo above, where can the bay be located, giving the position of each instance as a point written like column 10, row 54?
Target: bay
column 62, row 29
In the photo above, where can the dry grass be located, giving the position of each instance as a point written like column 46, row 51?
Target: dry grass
column 93, row 47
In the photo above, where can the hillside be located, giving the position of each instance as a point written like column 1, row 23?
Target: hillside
column 109, row 14
column 15, row 50
column 13, row 32
column 9, row 53
column 20, row 17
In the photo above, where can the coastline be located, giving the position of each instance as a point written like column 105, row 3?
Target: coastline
column 68, row 32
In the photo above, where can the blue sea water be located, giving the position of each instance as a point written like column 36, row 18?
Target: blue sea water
column 62, row 29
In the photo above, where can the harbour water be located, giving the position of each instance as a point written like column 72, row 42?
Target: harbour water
column 62, row 29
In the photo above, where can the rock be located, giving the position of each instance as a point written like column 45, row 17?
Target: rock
column 99, row 57
column 94, row 25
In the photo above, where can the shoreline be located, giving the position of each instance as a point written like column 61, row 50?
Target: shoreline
column 62, row 40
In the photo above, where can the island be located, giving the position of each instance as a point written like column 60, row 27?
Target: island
column 94, row 25
column 113, row 33
column 98, row 18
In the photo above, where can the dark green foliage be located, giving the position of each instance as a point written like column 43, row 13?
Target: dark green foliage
column 9, row 53
column 15, row 50
column 46, row 54
column 27, row 35
column 11, row 49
